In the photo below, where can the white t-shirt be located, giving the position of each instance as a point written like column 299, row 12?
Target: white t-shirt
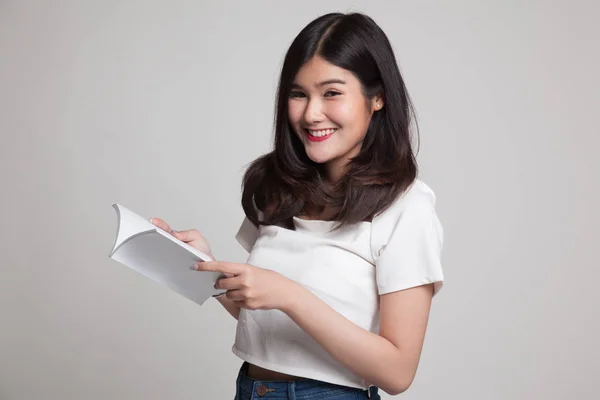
column 348, row 269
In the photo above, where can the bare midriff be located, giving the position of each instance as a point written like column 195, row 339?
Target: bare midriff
column 262, row 374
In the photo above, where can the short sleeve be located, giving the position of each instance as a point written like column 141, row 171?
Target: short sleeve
column 407, row 241
column 247, row 234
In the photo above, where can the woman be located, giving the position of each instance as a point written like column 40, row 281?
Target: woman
column 344, row 242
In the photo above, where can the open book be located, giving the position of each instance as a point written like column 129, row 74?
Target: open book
column 151, row 251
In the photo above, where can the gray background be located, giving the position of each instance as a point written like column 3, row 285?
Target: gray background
column 160, row 105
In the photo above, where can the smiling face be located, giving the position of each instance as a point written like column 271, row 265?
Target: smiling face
column 330, row 114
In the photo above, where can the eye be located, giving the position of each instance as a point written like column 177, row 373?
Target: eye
column 296, row 94
column 331, row 93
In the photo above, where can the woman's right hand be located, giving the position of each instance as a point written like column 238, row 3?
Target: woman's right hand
column 196, row 240
column 190, row 236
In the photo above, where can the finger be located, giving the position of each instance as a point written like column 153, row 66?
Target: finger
column 219, row 266
column 187, row 236
column 235, row 295
column 229, row 283
column 161, row 224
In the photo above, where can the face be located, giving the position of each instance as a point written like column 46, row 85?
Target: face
column 329, row 113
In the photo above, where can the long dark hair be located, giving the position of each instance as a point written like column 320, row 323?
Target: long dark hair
column 286, row 183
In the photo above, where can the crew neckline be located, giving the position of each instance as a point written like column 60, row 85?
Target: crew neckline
column 311, row 220
column 320, row 225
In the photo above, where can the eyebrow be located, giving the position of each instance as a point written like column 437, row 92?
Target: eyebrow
column 327, row 82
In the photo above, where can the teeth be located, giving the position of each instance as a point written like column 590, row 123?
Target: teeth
column 323, row 132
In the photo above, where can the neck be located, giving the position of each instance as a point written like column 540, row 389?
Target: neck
column 337, row 167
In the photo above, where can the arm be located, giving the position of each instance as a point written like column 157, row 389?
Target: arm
column 388, row 360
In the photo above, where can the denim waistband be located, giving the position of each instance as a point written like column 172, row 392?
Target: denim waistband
column 302, row 389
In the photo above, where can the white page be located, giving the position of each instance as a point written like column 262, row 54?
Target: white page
column 151, row 251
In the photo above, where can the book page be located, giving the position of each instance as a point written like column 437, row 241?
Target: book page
column 129, row 224
column 156, row 254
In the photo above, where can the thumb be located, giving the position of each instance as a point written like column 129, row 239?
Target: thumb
column 186, row 236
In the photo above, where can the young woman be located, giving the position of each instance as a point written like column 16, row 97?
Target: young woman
column 344, row 242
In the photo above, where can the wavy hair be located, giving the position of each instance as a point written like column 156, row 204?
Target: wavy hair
column 285, row 182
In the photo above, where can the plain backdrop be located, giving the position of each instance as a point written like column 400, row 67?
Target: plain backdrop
column 160, row 106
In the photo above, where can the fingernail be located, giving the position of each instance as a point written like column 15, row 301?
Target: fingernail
column 193, row 267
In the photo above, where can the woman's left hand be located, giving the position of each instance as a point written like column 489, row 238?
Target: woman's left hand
column 252, row 287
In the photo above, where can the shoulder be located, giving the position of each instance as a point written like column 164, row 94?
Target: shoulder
column 412, row 213
column 417, row 198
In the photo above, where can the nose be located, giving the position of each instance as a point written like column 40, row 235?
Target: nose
column 313, row 112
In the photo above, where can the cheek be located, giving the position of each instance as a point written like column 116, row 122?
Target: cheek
column 294, row 113
column 348, row 115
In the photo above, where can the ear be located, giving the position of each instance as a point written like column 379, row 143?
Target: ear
column 377, row 103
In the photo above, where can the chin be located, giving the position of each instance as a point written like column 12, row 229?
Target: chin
column 319, row 158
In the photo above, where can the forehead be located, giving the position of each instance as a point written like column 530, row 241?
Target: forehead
column 317, row 70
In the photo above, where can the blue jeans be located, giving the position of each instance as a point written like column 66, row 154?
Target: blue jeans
column 303, row 389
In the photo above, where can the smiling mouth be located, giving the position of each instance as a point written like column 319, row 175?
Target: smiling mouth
column 319, row 135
